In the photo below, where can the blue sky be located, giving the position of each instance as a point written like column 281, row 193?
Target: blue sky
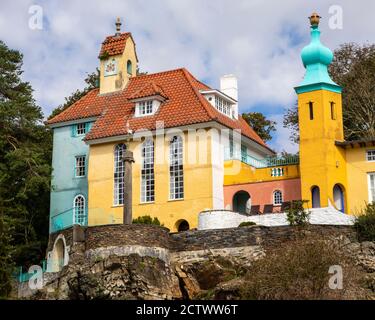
column 258, row 41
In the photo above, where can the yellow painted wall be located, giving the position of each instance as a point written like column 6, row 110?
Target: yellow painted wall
column 322, row 164
column 358, row 167
column 197, row 187
column 237, row 172
column 119, row 81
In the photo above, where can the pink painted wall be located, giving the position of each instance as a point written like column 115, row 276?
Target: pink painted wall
column 262, row 192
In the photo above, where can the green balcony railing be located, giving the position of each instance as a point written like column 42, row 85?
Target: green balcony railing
column 260, row 163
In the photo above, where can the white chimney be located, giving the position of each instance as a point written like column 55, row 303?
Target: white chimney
column 228, row 85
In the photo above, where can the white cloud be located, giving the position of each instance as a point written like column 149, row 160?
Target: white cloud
column 258, row 41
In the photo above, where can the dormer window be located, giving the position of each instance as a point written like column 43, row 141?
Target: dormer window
column 221, row 102
column 146, row 108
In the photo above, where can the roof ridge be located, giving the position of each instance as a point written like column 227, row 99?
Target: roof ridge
column 84, row 97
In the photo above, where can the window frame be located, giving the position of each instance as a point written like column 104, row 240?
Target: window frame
column 179, row 168
column 145, row 106
column 118, row 181
column 274, row 198
column 370, row 158
column 147, row 172
column 311, row 110
column 76, row 167
column 84, row 124
column 75, row 222
column 371, row 190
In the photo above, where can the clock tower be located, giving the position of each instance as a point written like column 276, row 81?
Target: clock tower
column 118, row 61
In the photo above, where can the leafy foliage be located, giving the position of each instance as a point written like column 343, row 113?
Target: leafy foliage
column 365, row 224
column 25, row 157
column 261, row 125
column 147, row 220
column 247, row 224
column 353, row 68
column 296, row 213
column 92, row 81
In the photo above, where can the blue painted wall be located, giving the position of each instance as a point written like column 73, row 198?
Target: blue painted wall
column 65, row 185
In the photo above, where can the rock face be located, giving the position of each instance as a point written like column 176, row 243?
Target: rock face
column 158, row 266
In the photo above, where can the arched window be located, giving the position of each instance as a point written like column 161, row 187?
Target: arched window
column 176, row 169
column 338, row 198
column 118, row 194
column 182, row 225
column 148, row 178
column 277, row 198
column 79, row 210
column 129, row 67
column 315, row 197
column 242, row 202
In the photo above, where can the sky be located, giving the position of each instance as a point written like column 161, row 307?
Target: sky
column 258, row 41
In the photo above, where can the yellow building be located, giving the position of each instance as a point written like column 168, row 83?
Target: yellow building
column 192, row 149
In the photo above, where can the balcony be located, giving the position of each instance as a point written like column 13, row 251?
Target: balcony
column 260, row 163
column 64, row 220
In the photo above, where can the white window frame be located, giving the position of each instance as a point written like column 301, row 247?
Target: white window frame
column 280, row 197
column 118, row 175
column 145, row 108
column 148, row 172
column 80, row 164
column 79, row 218
column 370, row 155
column 81, row 129
column 223, row 106
column 176, row 168
column 371, row 188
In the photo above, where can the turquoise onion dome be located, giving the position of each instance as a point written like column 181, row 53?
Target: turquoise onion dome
column 316, row 58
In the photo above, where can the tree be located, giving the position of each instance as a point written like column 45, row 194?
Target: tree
column 353, row 68
column 261, row 125
column 92, row 81
column 25, row 157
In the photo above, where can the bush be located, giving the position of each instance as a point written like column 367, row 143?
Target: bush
column 247, row 224
column 296, row 213
column 365, row 224
column 299, row 270
column 147, row 220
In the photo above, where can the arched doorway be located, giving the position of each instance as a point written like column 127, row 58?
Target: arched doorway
column 315, row 197
column 242, row 202
column 58, row 255
column 182, row 225
column 338, row 198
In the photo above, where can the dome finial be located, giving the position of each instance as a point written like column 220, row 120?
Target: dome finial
column 314, row 20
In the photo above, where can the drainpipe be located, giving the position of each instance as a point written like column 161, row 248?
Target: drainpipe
column 128, row 161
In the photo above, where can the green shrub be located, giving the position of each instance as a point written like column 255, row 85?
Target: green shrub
column 365, row 224
column 247, row 224
column 296, row 213
column 147, row 220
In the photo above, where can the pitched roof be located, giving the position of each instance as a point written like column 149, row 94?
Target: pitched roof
column 185, row 106
column 114, row 45
column 148, row 90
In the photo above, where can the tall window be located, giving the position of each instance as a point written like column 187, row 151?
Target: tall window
column 176, row 170
column 148, row 178
column 223, row 106
column 80, row 166
column 277, row 198
column 370, row 155
column 79, row 210
column 118, row 197
column 333, row 111
column 371, row 187
column 311, row 110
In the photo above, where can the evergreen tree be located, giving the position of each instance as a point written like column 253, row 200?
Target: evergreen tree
column 25, row 157
column 261, row 125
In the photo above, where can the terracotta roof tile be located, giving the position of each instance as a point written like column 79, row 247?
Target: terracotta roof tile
column 114, row 45
column 185, row 106
column 148, row 90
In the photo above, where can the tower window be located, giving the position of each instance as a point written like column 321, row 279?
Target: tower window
column 79, row 210
column 311, row 110
column 333, row 111
column 129, row 67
